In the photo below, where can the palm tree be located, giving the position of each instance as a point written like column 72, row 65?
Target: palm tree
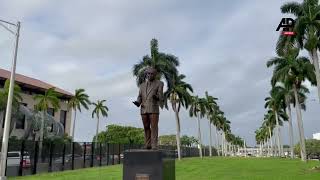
column 198, row 109
column 15, row 101
column 281, row 116
column 225, row 127
column 259, row 138
column 275, row 104
column 211, row 107
column 46, row 100
column 231, row 138
column 262, row 136
column 285, row 88
column 294, row 70
column 99, row 108
column 165, row 64
column 238, row 142
column 307, row 28
column 217, row 120
column 80, row 99
column 286, row 92
column 4, row 95
column 179, row 95
column 270, row 123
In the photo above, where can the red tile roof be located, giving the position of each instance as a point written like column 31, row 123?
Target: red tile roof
column 34, row 83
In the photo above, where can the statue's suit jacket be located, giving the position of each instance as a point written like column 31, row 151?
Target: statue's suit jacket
column 150, row 97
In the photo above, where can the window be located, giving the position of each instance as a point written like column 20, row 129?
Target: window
column 50, row 111
column 63, row 118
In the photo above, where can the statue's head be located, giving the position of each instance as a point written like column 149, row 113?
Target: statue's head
column 151, row 73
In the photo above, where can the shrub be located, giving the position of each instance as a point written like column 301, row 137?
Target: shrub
column 312, row 148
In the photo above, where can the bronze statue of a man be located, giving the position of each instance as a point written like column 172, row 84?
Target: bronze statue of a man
column 149, row 99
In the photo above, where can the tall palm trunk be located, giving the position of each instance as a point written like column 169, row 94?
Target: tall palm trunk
column 265, row 147
column 178, row 133
column 281, row 144
column 300, row 125
column 225, row 144
column 41, row 135
column 217, row 141
column 271, row 143
column 226, row 147
column 97, row 129
column 268, row 146
column 199, row 137
column 276, row 153
column 245, row 149
column 222, row 144
column 290, row 128
column 315, row 61
column 176, row 109
column 210, row 143
column 74, row 123
column 238, row 149
column 232, row 149
column 278, row 133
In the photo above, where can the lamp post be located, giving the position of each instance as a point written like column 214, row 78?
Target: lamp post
column 4, row 148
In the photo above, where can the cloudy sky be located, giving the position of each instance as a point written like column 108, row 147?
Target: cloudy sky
column 223, row 47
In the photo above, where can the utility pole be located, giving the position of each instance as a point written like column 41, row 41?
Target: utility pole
column 7, row 122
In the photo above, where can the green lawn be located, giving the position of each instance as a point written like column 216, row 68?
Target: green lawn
column 207, row 168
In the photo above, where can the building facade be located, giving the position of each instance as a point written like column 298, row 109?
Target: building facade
column 31, row 87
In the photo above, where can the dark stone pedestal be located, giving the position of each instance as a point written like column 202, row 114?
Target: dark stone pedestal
column 148, row 165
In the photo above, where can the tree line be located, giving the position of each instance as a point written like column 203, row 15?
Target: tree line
column 179, row 94
column 118, row 134
column 291, row 73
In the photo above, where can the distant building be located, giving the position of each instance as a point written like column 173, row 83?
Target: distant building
column 251, row 151
column 30, row 87
column 255, row 151
column 316, row 136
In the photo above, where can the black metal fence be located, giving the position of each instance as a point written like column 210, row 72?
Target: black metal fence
column 25, row 158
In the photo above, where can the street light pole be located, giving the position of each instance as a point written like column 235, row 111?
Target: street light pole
column 7, row 122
